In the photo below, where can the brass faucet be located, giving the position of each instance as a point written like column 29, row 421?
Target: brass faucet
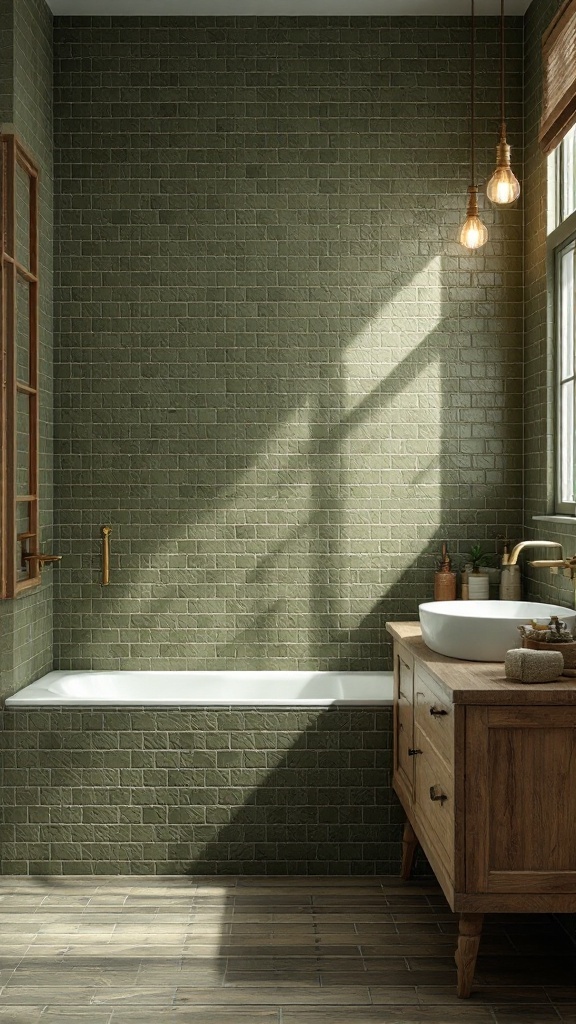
column 513, row 559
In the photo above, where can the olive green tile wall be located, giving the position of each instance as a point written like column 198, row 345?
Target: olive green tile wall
column 216, row 791
column 538, row 380
column 26, row 103
column 279, row 377
column 6, row 60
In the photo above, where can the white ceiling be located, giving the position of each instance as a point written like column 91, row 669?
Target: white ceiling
column 428, row 8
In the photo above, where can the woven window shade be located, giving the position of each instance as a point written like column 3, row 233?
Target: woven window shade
column 559, row 74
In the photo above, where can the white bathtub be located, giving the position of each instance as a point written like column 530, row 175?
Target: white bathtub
column 202, row 689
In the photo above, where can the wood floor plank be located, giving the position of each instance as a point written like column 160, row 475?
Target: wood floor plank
column 196, row 1015
column 567, row 1012
column 539, row 1013
column 74, row 1015
column 393, row 1015
column 286, row 995
column 20, row 1014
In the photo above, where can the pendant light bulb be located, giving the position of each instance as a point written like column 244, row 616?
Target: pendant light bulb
column 503, row 187
column 473, row 233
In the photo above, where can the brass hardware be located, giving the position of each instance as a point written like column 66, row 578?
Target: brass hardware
column 106, row 531
column 41, row 559
column 438, row 712
column 531, row 544
column 437, row 796
column 549, row 563
column 559, row 566
column 412, row 751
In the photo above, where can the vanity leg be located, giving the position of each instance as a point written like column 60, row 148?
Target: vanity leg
column 409, row 847
column 470, row 930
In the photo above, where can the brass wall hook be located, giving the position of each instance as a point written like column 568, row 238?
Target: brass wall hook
column 106, row 531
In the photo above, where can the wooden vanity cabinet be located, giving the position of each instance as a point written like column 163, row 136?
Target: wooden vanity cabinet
column 485, row 770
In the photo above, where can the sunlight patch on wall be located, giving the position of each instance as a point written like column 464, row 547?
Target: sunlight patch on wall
column 394, row 440
column 380, row 356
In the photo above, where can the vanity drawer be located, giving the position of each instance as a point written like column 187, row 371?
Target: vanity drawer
column 434, row 802
column 434, row 714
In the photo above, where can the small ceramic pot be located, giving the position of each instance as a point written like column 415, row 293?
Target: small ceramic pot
column 478, row 586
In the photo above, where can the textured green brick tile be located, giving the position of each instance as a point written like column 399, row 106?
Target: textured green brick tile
column 258, row 758
column 221, row 741
column 118, row 759
column 229, row 758
column 150, row 815
column 111, row 721
column 100, row 814
column 286, row 491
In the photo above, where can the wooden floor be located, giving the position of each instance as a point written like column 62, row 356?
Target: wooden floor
column 265, row 951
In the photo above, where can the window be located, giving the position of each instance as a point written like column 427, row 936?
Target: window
column 562, row 264
column 566, row 394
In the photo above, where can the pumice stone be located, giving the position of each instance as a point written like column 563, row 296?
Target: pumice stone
column 525, row 666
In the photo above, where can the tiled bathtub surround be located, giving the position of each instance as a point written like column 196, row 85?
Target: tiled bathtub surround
column 209, row 791
column 279, row 377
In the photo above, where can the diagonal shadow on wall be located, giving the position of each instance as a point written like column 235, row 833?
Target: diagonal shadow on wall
column 318, row 800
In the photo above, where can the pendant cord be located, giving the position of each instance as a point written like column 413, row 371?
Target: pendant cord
column 502, row 64
column 472, row 73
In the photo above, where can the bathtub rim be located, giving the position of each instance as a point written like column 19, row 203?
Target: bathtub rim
column 39, row 696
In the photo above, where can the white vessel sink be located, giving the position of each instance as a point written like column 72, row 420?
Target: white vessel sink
column 482, row 630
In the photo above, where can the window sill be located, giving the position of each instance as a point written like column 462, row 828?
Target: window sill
column 556, row 519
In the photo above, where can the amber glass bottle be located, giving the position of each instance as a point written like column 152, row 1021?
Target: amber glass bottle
column 445, row 579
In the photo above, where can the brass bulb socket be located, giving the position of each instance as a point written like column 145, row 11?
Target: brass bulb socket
column 503, row 154
column 472, row 208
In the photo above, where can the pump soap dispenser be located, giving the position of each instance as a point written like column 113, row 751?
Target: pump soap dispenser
column 445, row 579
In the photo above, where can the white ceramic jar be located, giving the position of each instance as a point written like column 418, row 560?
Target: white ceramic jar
column 478, row 586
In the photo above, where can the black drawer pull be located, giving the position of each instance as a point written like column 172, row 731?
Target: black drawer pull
column 438, row 712
column 412, row 751
column 437, row 796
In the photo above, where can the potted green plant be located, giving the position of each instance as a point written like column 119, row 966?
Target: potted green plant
column 478, row 581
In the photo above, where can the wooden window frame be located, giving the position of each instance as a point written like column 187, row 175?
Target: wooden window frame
column 23, row 546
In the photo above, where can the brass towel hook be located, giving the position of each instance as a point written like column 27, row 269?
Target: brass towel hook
column 106, row 531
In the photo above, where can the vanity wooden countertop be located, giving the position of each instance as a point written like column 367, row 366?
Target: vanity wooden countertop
column 479, row 682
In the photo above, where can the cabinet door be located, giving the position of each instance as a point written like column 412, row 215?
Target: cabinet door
column 521, row 799
column 404, row 720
